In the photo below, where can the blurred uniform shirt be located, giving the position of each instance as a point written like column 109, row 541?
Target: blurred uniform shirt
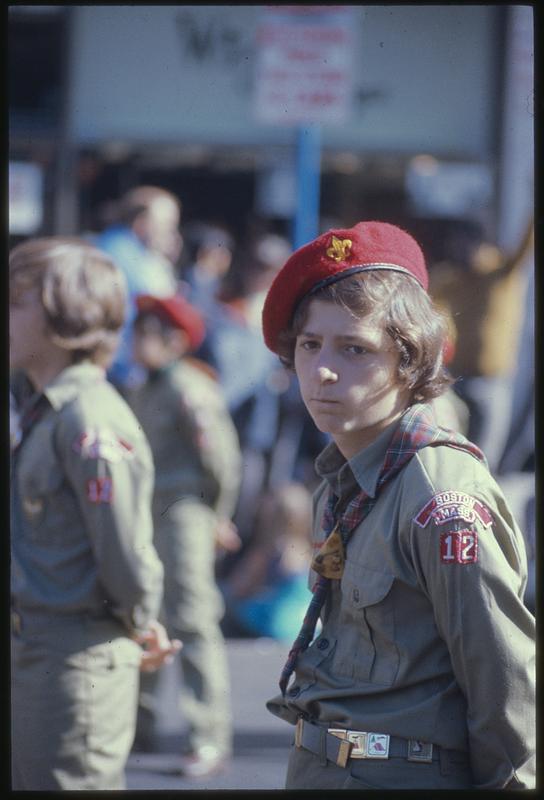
column 486, row 309
column 192, row 437
column 81, row 506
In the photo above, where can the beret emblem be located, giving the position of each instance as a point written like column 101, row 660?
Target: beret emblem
column 339, row 249
column 332, row 256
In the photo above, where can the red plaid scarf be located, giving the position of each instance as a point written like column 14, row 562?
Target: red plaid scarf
column 417, row 429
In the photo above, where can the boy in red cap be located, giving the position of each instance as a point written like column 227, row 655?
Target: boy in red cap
column 422, row 673
column 197, row 466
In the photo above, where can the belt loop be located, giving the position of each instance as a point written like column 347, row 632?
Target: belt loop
column 298, row 732
column 343, row 753
column 323, row 747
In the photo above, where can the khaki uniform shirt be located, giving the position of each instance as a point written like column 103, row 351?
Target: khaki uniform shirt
column 192, row 437
column 426, row 635
column 81, row 506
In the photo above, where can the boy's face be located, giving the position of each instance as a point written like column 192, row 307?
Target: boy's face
column 153, row 346
column 29, row 342
column 162, row 227
column 347, row 370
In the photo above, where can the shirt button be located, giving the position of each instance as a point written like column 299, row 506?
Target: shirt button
column 323, row 644
column 294, row 691
column 355, row 595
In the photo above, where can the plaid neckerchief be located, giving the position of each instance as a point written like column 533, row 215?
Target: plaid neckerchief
column 417, row 429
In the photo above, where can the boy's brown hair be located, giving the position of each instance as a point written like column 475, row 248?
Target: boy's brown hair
column 417, row 328
column 81, row 290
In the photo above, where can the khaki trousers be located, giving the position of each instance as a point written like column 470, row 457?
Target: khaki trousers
column 193, row 608
column 74, row 699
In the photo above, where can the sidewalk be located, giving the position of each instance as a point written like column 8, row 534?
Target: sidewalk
column 261, row 741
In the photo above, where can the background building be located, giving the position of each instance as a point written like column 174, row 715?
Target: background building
column 434, row 113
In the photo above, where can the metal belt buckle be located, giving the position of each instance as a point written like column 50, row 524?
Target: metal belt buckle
column 368, row 745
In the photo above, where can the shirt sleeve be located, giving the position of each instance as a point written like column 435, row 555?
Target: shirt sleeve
column 216, row 441
column 112, row 477
column 471, row 561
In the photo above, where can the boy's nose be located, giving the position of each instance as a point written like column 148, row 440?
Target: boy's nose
column 327, row 375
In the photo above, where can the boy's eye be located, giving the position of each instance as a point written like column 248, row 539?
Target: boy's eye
column 357, row 349
column 308, row 344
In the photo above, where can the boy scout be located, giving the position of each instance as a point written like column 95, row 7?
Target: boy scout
column 197, row 466
column 86, row 581
column 421, row 676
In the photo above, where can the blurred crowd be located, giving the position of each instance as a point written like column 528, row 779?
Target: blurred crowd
column 233, row 446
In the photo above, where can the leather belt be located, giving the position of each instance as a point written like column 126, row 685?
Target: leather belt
column 38, row 621
column 341, row 744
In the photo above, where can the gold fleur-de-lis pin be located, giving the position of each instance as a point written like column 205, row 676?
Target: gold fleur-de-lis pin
column 339, row 248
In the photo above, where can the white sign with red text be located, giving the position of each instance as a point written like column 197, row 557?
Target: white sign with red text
column 304, row 64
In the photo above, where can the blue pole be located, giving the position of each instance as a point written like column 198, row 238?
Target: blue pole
column 308, row 170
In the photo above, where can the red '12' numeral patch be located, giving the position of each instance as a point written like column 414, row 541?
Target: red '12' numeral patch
column 100, row 490
column 459, row 547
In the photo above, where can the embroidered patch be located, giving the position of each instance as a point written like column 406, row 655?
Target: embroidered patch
column 378, row 744
column 339, row 249
column 446, row 506
column 100, row 490
column 420, row 751
column 459, row 547
column 102, row 443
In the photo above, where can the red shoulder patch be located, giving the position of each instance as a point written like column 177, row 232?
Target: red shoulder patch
column 100, row 490
column 459, row 547
column 446, row 506
column 102, row 443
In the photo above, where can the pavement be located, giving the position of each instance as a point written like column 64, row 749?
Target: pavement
column 261, row 741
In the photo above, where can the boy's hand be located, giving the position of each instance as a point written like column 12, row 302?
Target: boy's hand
column 227, row 536
column 158, row 649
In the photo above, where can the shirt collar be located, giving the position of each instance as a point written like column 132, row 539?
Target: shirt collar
column 362, row 470
column 67, row 384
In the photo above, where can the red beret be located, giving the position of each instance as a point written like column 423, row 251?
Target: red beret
column 178, row 312
column 334, row 255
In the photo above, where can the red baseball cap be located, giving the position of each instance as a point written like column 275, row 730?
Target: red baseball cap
column 332, row 256
column 178, row 312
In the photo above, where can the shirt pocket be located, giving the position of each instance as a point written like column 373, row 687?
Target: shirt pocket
column 310, row 661
column 38, row 496
column 366, row 648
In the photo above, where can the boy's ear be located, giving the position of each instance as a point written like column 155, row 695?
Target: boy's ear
column 140, row 226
